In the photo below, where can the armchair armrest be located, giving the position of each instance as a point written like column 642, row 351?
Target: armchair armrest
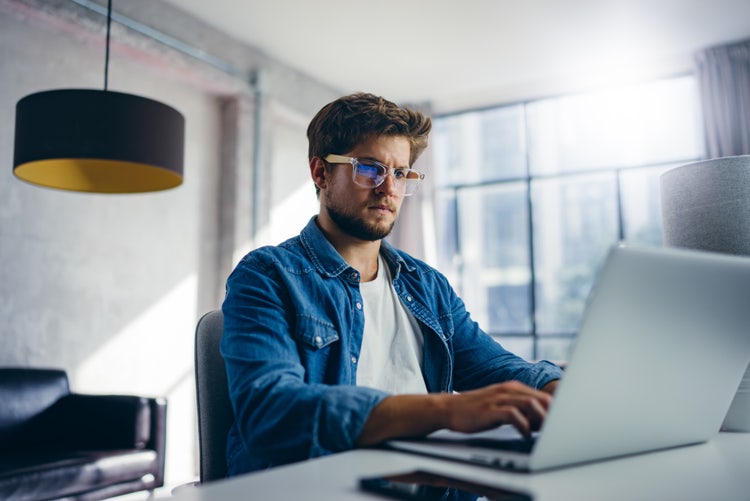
column 96, row 422
column 158, row 441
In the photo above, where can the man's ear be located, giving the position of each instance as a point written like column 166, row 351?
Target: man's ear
column 318, row 172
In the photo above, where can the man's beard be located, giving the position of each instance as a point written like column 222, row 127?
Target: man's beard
column 356, row 227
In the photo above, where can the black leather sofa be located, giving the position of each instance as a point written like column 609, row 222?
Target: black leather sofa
column 56, row 444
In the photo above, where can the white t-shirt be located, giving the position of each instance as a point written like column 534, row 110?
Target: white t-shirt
column 391, row 355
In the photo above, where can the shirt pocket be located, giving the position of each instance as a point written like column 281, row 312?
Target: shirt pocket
column 446, row 325
column 316, row 339
column 315, row 333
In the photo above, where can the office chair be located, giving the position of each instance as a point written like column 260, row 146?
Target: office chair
column 215, row 414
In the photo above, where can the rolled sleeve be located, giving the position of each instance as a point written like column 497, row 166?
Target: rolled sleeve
column 340, row 417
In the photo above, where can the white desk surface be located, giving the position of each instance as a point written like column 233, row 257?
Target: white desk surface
column 718, row 470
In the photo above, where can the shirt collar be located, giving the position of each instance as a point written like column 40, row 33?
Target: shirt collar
column 329, row 262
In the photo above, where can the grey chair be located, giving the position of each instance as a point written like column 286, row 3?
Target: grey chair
column 215, row 414
column 706, row 206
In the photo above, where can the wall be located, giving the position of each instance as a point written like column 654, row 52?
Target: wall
column 109, row 287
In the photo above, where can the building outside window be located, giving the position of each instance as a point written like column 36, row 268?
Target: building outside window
column 531, row 195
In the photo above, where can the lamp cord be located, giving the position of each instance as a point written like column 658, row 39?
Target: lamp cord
column 106, row 56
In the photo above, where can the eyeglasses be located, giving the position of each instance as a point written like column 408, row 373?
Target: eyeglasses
column 371, row 174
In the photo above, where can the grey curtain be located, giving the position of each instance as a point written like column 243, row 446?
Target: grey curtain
column 724, row 81
column 412, row 232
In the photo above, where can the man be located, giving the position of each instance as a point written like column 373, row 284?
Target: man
column 334, row 339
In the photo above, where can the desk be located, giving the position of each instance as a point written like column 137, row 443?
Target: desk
column 718, row 470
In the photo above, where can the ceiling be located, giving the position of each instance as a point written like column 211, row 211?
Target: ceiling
column 467, row 53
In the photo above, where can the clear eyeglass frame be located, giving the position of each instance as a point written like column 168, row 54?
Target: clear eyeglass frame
column 371, row 174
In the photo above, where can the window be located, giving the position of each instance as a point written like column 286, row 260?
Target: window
column 530, row 196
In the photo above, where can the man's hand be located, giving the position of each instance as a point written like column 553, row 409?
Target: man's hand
column 503, row 403
column 417, row 415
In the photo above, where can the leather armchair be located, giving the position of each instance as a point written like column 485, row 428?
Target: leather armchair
column 54, row 443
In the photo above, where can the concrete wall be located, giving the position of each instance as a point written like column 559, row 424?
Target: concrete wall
column 109, row 287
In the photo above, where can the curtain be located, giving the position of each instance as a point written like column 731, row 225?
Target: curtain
column 414, row 231
column 724, row 81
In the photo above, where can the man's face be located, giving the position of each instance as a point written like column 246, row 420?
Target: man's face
column 366, row 213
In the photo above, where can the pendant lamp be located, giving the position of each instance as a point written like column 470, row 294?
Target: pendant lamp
column 98, row 141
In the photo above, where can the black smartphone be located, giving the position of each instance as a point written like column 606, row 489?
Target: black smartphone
column 420, row 485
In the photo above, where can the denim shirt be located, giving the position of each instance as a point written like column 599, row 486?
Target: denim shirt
column 293, row 323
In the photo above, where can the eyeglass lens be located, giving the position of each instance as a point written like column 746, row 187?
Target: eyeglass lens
column 373, row 174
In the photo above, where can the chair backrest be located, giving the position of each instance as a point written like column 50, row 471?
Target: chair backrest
column 704, row 205
column 26, row 392
column 215, row 415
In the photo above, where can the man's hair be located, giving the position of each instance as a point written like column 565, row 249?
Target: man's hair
column 351, row 120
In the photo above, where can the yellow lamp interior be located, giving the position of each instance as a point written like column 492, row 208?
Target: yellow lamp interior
column 96, row 175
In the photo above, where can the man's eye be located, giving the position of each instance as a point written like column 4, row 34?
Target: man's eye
column 399, row 173
column 369, row 170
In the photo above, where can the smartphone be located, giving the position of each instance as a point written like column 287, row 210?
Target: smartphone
column 420, row 485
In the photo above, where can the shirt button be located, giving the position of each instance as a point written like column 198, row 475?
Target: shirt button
column 359, row 306
column 318, row 340
column 354, row 276
column 408, row 298
column 354, row 359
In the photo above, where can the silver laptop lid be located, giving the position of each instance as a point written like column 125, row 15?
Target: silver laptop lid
column 662, row 347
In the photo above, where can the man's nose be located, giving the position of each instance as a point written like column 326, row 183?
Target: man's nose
column 388, row 185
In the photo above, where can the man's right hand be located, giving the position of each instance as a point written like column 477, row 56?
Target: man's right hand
column 418, row 415
column 502, row 403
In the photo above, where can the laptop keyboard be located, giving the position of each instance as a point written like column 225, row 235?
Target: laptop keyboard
column 524, row 445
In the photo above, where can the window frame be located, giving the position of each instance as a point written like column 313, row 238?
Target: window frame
column 452, row 192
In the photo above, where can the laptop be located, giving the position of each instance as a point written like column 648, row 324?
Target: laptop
column 662, row 346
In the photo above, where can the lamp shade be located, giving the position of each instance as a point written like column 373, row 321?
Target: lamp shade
column 98, row 141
